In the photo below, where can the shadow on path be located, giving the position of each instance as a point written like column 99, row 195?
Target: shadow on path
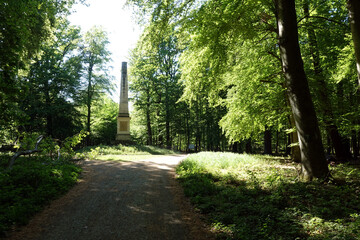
column 115, row 200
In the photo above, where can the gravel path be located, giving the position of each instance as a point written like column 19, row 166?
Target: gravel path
column 119, row 200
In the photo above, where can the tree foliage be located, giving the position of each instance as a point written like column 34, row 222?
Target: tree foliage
column 48, row 70
column 231, row 59
column 96, row 79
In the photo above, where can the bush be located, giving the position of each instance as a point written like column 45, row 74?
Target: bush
column 34, row 181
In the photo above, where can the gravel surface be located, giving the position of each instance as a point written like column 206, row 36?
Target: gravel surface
column 120, row 200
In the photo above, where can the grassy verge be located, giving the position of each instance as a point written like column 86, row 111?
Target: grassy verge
column 123, row 153
column 260, row 197
column 31, row 184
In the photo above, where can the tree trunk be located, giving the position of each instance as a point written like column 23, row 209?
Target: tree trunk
column 267, row 141
column 89, row 99
column 148, row 125
column 354, row 15
column 235, row 147
column 248, row 148
column 312, row 151
column 277, row 143
column 49, row 120
column 354, row 143
column 287, row 147
column 167, row 132
column 294, row 139
column 188, row 132
column 323, row 95
column 88, row 128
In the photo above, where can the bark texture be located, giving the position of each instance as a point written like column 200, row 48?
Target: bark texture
column 312, row 151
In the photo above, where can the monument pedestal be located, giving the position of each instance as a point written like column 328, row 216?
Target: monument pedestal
column 123, row 129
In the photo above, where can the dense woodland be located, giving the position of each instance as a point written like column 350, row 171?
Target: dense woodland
column 260, row 76
column 255, row 76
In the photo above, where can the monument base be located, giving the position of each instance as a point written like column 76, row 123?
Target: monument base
column 123, row 137
column 123, row 129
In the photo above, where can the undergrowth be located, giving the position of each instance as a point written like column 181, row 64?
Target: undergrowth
column 35, row 181
column 260, row 197
column 29, row 185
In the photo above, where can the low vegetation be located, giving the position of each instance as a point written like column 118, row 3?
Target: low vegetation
column 35, row 179
column 261, row 197
column 122, row 152
column 29, row 185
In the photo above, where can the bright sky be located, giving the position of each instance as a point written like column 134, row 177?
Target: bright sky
column 122, row 30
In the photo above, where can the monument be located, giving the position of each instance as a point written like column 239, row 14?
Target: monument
column 123, row 119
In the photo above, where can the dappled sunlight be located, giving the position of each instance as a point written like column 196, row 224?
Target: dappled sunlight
column 121, row 200
column 257, row 199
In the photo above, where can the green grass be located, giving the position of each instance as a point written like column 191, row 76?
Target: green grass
column 32, row 183
column 261, row 197
column 123, row 153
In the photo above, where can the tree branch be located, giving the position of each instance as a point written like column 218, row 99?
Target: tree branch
column 275, row 56
column 269, row 79
column 26, row 152
column 324, row 18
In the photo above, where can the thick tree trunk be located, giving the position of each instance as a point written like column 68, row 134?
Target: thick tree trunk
column 354, row 15
column 267, row 141
column 322, row 92
column 294, row 139
column 312, row 151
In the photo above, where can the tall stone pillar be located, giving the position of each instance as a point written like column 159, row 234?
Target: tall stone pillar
column 123, row 119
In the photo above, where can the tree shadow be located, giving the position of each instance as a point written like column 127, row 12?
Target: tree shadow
column 243, row 210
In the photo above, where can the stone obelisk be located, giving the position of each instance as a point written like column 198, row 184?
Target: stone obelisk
column 123, row 119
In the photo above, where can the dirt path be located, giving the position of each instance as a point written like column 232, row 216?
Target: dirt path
column 120, row 200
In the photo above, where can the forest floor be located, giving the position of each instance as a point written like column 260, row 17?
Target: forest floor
column 120, row 200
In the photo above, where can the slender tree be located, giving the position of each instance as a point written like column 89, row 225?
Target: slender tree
column 143, row 84
column 95, row 59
